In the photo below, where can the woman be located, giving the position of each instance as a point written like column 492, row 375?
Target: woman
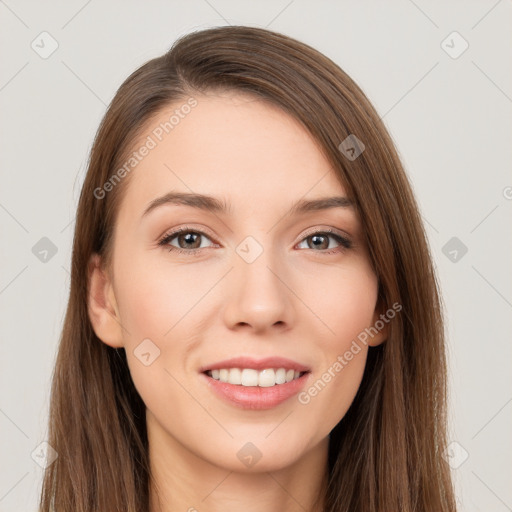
column 254, row 321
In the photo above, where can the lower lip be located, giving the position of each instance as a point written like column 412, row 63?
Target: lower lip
column 256, row 397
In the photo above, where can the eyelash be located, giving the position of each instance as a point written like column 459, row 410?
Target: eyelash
column 345, row 243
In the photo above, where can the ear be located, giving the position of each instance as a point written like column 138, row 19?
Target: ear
column 380, row 325
column 102, row 306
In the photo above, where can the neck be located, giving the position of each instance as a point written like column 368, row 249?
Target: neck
column 182, row 480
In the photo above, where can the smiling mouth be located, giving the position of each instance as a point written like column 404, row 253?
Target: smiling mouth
column 250, row 377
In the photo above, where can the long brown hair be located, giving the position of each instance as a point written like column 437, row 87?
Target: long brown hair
column 386, row 453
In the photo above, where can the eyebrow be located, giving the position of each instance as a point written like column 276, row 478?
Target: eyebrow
column 215, row 205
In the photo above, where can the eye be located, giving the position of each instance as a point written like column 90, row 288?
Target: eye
column 320, row 242
column 189, row 241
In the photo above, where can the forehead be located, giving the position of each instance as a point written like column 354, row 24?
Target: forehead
column 232, row 146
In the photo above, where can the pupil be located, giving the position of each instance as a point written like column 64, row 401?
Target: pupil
column 316, row 238
column 189, row 238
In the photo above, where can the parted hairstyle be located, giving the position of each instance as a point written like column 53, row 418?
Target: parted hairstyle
column 385, row 455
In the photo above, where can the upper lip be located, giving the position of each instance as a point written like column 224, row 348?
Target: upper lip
column 256, row 364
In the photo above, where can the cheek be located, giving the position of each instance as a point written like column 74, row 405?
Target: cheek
column 343, row 300
column 346, row 307
column 154, row 296
column 160, row 302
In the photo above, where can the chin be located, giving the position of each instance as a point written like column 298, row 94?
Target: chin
column 257, row 453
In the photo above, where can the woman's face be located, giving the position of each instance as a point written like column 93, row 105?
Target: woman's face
column 256, row 280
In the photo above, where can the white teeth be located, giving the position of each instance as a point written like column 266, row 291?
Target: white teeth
column 280, row 376
column 234, row 376
column 267, row 378
column 249, row 377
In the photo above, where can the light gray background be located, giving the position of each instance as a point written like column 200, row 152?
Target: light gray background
column 450, row 118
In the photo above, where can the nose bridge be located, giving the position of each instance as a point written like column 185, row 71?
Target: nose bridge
column 257, row 292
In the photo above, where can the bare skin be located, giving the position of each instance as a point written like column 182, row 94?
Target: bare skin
column 298, row 300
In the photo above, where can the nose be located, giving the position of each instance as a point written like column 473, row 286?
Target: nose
column 259, row 297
